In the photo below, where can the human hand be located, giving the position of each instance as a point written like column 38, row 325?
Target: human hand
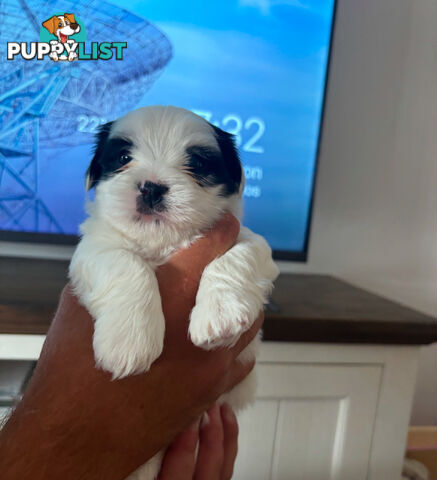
column 74, row 422
column 218, row 444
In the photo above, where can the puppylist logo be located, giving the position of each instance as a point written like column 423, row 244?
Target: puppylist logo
column 62, row 38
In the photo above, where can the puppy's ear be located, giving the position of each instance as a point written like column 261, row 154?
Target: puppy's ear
column 95, row 169
column 70, row 17
column 51, row 24
column 226, row 142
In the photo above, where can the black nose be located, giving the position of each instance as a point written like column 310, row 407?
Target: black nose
column 74, row 25
column 153, row 193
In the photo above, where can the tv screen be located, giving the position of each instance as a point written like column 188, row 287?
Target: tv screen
column 256, row 68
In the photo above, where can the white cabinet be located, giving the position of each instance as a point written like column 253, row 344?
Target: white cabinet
column 323, row 411
column 328, row 412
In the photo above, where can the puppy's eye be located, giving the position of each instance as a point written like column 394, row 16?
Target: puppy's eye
column 124, row 158
column 59, row 24
column 197, row 163
column 202, row 163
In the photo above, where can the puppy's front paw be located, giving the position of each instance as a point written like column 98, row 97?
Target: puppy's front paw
column 218, row 319
column 127, row 351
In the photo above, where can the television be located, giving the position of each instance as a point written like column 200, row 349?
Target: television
column 256, row 68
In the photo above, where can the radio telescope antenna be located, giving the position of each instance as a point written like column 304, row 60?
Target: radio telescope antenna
column 47, row 104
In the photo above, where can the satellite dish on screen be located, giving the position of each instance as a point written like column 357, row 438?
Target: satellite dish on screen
column 49, row 104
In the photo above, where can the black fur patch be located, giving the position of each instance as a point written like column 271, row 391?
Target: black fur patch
column 231, row 159
column 108, row 156
column 210, row 167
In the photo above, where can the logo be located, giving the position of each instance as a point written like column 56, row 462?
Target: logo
column 62, row 38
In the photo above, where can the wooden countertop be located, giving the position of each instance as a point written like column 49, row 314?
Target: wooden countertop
column 321, row 308
column 312, row 308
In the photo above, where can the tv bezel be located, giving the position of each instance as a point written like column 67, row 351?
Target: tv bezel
column 290, row 255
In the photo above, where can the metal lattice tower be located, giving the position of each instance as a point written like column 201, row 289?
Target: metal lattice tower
column 42, row 102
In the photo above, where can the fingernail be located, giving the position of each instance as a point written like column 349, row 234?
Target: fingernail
column 204, row 420
column 228, row 412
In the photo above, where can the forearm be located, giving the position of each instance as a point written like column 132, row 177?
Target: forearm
column 35, row 448
column 46, row 437
column 72, row 417
column 50, row 441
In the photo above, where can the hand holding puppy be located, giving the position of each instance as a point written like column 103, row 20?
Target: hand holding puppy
column 74, row 422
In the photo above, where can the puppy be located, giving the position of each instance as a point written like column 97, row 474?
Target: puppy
column 162, row 176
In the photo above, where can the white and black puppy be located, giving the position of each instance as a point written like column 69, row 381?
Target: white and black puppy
column 164, row 175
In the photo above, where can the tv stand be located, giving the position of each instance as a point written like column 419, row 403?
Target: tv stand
column 336, row 371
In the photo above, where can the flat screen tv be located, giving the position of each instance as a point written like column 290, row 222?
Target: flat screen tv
column 256, row 68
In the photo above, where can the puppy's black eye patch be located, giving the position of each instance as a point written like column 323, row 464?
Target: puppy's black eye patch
column 209, row 168
column 110, row 155
column 116, row 154
column 203, row 160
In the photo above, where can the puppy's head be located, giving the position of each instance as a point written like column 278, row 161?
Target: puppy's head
column 166, row 170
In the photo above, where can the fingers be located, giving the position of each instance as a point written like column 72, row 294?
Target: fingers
column 248, row 336
column 182, row 272
column 225, row 231
column 180, row 458
column 230, row 441
column 216, row 241
column 211, row 452
column 238, row 372
column 218, row 445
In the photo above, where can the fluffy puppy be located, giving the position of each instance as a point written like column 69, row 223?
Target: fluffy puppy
column 162, row 175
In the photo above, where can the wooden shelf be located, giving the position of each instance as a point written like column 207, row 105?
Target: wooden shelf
column 312, row 308
column 321, row 308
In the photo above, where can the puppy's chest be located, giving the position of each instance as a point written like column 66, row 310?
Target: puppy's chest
column 159, row 254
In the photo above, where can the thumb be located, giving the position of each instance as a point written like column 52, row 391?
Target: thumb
column 183, row 270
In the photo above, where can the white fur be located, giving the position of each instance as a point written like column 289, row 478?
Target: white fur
column 112, row 270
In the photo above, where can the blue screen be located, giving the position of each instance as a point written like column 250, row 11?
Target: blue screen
column 256, row 68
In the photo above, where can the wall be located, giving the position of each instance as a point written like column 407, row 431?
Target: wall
column 375, row 219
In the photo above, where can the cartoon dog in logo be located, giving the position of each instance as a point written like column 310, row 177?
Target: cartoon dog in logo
column 62, row 26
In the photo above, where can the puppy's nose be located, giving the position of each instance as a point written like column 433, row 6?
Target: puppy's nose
column 153, row 193
column 74, row 26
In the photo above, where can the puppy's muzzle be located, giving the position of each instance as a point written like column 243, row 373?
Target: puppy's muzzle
column 151, row 198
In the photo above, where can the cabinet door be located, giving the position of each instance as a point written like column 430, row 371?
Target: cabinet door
column 310, row 422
